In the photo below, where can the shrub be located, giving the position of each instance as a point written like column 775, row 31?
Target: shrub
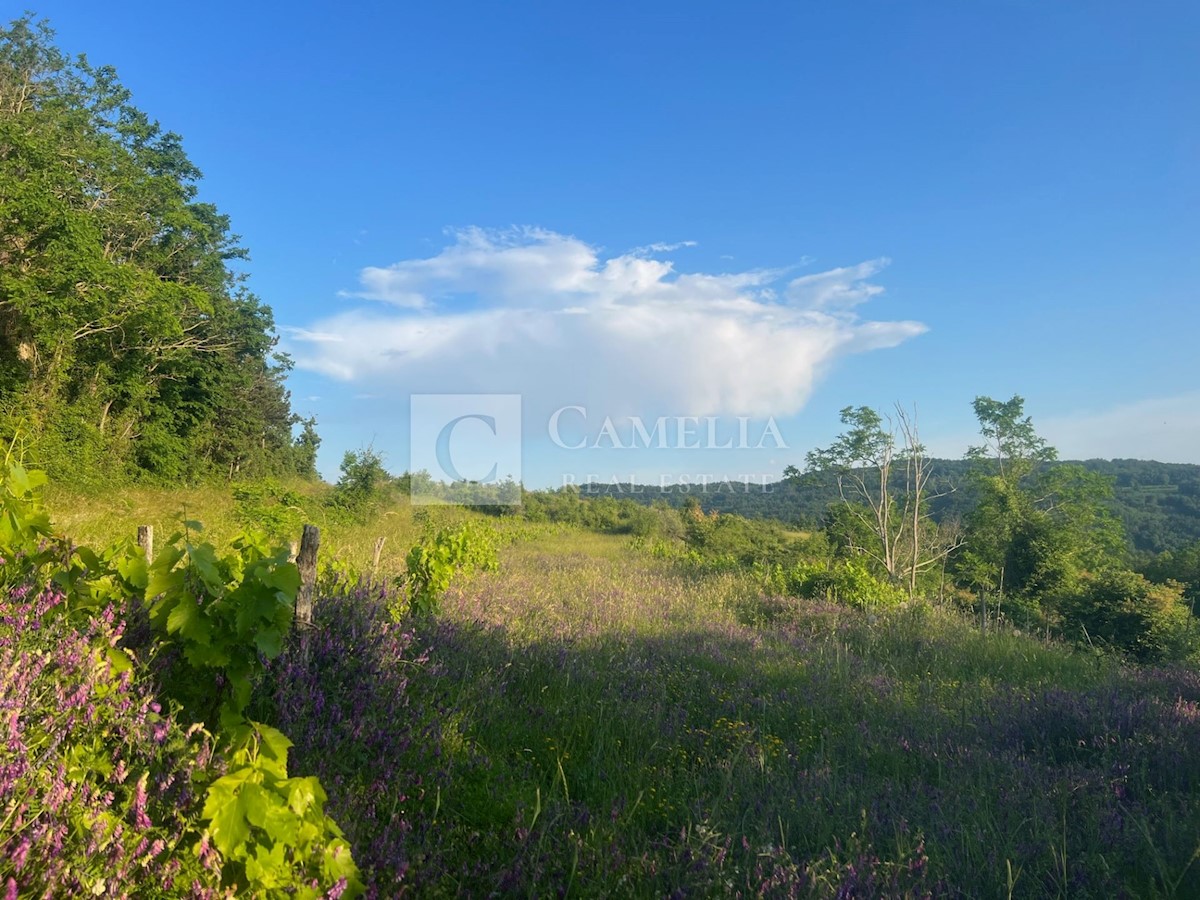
column 226, row 617
column 1125, row 611
column 223, row 616
column 271, row 829
column 362, row 483
column 849, row 582
column 269, row 507
column 433, row 563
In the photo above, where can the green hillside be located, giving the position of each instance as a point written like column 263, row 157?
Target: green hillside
column 1158, row 503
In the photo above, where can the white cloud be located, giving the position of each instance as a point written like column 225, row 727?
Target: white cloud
column 837, row 288
column 312, row 337
column 546, row 315
column 517, row 265
column 660, row 247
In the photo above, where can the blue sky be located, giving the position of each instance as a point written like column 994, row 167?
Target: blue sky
column 674, row 209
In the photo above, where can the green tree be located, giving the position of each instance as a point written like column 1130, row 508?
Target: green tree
column 362, row 481
column 1182, row 566
column 1035, row 529
column 305, row 447
column 1011, row 445
column 128, row 339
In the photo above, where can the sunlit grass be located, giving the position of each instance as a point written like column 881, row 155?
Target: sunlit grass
column 606, row 723
column 101, row 519
column 627, row 727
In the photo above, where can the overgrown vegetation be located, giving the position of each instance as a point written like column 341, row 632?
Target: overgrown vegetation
column 203, row 627
column 642, row 714
column 129, row 345
column 1039, row 548
column 96, row 644
column 607, row 725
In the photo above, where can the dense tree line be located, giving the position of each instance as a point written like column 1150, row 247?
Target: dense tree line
column 1158, row 504
column 129, row 343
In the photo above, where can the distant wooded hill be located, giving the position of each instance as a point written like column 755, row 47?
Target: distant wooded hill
column 1158, row 503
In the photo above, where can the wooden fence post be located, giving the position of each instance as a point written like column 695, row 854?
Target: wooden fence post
column 379, row 542
column 145, row 539
column 306, row 562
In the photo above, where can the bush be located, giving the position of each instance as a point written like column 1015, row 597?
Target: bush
column 849, row 582
column 362, row 483
column 433, row 563
column 1123, row 610
column 268, row 506
column 713, row 535
column 602, row 513
column 221, row 617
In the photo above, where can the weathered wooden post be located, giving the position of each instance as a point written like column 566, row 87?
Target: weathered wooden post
column 379, row 542
column 306, row 562
column 137, row 617
column 145, row 539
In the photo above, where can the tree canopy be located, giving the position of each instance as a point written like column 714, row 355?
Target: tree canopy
column 128, row 341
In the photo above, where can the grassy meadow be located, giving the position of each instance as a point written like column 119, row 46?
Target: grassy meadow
column 590, row 721
column 621, row 727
